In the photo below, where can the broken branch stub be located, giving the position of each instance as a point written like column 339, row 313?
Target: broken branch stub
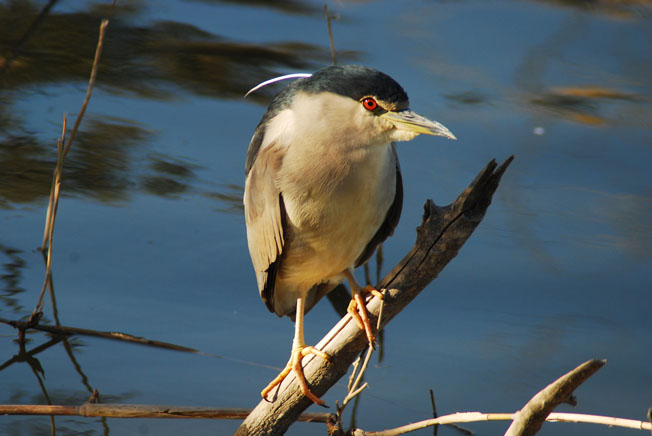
column 531, row 417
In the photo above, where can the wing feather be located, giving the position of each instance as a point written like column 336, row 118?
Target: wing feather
column 265, row 218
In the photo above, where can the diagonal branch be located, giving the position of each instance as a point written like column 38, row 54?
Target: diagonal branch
column 439, row 238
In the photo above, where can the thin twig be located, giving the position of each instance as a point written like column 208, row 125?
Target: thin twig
column 48, row 233
column 329, row 17
column 353, row 372
column 91, row 84
column 354, row 387
column 434, row 412
column 62, row 152
column 64, row 330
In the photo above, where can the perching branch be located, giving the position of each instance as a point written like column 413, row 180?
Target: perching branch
column 439, row 238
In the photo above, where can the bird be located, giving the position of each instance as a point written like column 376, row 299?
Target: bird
column 323, row 188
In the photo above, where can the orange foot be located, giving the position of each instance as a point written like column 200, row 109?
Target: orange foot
column 357, row 304
column 294, row 365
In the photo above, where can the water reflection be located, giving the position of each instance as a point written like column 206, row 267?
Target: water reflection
column 288, row 6
column 98, row 166
column 148, row 61
column 230, row 197
column 582, row 104
column 43, row 47
column 10, row 278
column 171, row 176
column 616, row 9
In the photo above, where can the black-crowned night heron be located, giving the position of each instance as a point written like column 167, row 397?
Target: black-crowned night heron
column 323, row 189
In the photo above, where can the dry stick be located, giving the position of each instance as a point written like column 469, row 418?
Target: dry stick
column 50, row 215
column 330, row 32
column 62, row 152
column 528, row 420
column 354, row 388
column 434, row 412
column 142, row 411
column 531, row 417
column 64, row 330
column 87, row 98
column 439, row 238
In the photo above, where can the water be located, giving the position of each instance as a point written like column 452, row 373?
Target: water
column 150, row 237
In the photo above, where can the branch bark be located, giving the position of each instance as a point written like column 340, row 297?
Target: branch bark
column 531, row 417
column 141, row 411
column 439, row 238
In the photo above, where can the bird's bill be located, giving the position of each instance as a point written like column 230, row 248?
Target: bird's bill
column 413, row 122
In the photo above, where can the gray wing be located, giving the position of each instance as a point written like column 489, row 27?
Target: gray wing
column 391, row 220
column 265, row 217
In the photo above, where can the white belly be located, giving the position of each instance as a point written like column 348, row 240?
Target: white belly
column 332, row 216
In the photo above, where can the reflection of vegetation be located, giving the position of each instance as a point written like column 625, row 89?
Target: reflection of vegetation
column 98, row 165
column 289, row 6
column 170, row 176
column 231, row 197
column 612, row 8
column 580, row 104
column 10, row 278
column 137, row 59
column 467, row 98
column 42, row 47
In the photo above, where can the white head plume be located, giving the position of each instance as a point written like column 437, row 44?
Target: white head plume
column 277, row 79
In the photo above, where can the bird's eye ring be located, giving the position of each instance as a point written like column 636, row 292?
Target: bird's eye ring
column 369, row 103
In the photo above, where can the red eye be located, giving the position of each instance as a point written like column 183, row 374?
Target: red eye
column 369, row 104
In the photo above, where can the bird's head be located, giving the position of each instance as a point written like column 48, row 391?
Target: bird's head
column 366, row 105
column 351, row 106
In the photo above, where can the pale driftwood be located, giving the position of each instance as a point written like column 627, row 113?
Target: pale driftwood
column 531, row 417
column 462, row 417
column 439, row 238
column 142, row 411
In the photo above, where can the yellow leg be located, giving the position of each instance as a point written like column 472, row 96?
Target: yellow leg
column 357, row 307
column 299, row 351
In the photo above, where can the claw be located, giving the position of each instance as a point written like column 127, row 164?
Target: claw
column 294, row 365
column 358, row 311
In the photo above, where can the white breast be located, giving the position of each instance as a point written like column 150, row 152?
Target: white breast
column 333, row 213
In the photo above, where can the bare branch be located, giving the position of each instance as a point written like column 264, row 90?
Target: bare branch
column 531, row 417
column 142, row 411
